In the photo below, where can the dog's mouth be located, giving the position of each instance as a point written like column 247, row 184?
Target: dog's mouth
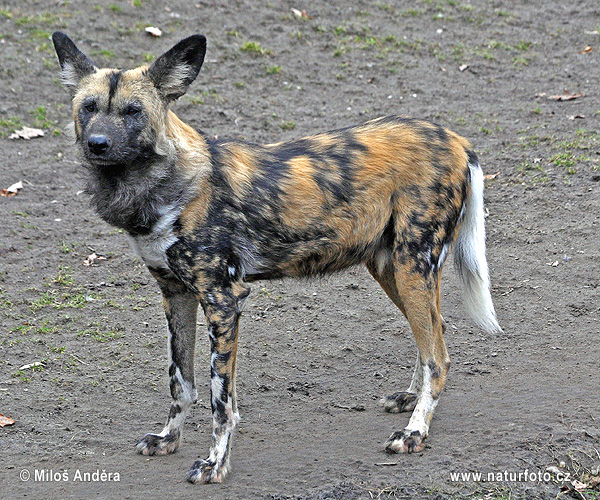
column 102, row 162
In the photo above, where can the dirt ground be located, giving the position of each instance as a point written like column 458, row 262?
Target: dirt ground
column 314, row 357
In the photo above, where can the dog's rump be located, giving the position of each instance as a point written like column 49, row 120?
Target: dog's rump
column 332, row 200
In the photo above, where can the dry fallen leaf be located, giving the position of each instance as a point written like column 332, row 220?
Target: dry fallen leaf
column 92, row 258
column 565, row 97
column 587, row 50
column 35, row 364
column 490, row 177
column 12, row 190
column 578, row 485
column 300, row 14
column 153, row 31
column 5, row 421
column 26, row 133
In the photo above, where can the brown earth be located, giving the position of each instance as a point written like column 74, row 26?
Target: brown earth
column 315, row 356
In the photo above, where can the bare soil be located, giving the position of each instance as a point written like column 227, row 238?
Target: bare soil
column 315, row 357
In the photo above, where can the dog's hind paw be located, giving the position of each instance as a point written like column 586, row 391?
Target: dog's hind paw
column 155, row 444
column 206, row 471
column 399, row 401
column 405, row 441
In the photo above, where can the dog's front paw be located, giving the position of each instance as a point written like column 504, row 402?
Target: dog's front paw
column 400, row 401
column 206, row 471
column 155, row 444
column 405, row 441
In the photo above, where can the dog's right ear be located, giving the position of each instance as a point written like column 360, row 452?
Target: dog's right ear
column 74, row 64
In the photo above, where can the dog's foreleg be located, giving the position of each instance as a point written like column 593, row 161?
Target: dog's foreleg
column 181, row 308
column 222, row 309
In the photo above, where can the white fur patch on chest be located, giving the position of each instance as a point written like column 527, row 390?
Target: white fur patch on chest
column 152, row 248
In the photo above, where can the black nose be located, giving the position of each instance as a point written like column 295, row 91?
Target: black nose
column 99, row 144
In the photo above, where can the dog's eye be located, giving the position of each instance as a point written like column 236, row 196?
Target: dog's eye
column 90, row 107
column 132, row 110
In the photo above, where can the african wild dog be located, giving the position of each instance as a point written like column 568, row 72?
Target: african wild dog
column 209, row 216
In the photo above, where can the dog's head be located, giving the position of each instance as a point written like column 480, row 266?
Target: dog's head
column 119, row 116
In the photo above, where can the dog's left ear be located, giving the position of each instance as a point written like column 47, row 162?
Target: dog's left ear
column 174, row 71
column 74, row 64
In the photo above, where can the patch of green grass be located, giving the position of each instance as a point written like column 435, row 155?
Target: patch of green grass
column 458, row 52
column 234, row 33
column 116, row 305
column 45, row 300
column 386, row 7
column 100, row 335
column 523, row 45
column 147, row 57
column 584, row 139
column 20, row 374
column 298, row 35
column 44, row 18
column 496, row 44
column 44, row 328
column 339, row 30
column 520, row 61
column 5, row 303
column 412, row 13
column 565, row 159
column 64, row 276
column 66, row 248
column 340, row 49
column 273, row 70
column 74, row 299
column 40, row 119
column 39, row 34
column 109, row 54
column 484, row 53
column 540, row 175
column 195, row 99
column 9, row 125
column 254, row 48
column 368, row 41
column 141, row 26
column 115, row 8
column 289, row 125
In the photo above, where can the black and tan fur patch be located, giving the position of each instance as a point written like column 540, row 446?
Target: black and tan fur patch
column 208, row 216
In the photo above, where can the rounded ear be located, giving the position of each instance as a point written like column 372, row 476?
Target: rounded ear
column 74, row 64
column 174, row 71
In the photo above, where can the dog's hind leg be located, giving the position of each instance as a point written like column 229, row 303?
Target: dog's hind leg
column 181, row 307
column 222, row 307
column 419, row 293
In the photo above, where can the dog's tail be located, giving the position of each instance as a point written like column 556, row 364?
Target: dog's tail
column 469, row 255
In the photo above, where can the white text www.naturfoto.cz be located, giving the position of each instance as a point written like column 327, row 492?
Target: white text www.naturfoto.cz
column 508, row 476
